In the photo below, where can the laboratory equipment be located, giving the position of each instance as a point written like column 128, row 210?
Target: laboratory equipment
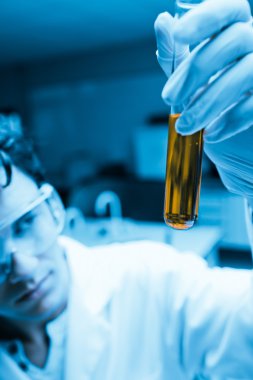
column 184, row 162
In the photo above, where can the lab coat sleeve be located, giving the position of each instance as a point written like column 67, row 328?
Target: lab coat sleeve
column 183, row 318
column 208, row 317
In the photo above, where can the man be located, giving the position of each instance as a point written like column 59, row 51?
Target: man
column 125, row 311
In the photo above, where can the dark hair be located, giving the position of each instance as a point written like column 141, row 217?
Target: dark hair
column 17, row 149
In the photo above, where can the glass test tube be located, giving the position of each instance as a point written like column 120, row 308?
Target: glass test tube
column 183, row 167
column 183, row 177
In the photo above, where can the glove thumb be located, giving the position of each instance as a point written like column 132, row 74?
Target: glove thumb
column 164, row 31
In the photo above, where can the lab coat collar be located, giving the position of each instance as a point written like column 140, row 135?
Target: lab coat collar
column 88, row 333
column 87, row 338
column 9, row 369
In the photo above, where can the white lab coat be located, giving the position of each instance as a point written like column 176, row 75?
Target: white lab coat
column 141, row 311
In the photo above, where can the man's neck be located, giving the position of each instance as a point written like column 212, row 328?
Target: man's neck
column 29, row 331
column 34, row 336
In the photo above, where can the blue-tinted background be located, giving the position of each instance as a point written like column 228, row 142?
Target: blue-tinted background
column 84, row 78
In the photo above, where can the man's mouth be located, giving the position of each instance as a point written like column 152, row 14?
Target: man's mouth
column 36, row 292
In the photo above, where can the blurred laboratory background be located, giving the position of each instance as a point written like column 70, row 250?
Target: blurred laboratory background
column 83, row 79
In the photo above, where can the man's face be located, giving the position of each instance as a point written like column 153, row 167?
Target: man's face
column 37, row 285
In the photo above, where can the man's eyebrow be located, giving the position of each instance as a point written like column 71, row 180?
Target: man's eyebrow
column 30, row 212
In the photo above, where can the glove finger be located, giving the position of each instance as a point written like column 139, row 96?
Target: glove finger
column 207, row 60
column 237, row 119
column 208, row 18
column 227, row 90
column 164, row 27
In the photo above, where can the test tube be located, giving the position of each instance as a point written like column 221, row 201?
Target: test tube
column 183, row 167
column 183, row 177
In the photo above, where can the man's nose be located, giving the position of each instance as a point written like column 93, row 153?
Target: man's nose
column 22, row 267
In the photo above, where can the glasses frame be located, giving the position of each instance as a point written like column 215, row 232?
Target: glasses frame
column 46, row 190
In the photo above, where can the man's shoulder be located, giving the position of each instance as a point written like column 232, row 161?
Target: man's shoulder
column 132, row 257
column 133, row 250
column 102, row 271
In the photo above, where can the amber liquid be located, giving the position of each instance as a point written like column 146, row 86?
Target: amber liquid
column 183, row 177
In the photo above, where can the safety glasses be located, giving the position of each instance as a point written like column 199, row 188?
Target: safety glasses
column 32, row 235
column 45, row 192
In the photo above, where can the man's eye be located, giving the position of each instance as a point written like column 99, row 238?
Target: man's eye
column 23, row 224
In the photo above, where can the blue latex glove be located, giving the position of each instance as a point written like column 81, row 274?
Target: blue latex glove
column 215, row 83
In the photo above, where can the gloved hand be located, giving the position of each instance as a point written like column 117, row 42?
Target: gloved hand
column 214, row 83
